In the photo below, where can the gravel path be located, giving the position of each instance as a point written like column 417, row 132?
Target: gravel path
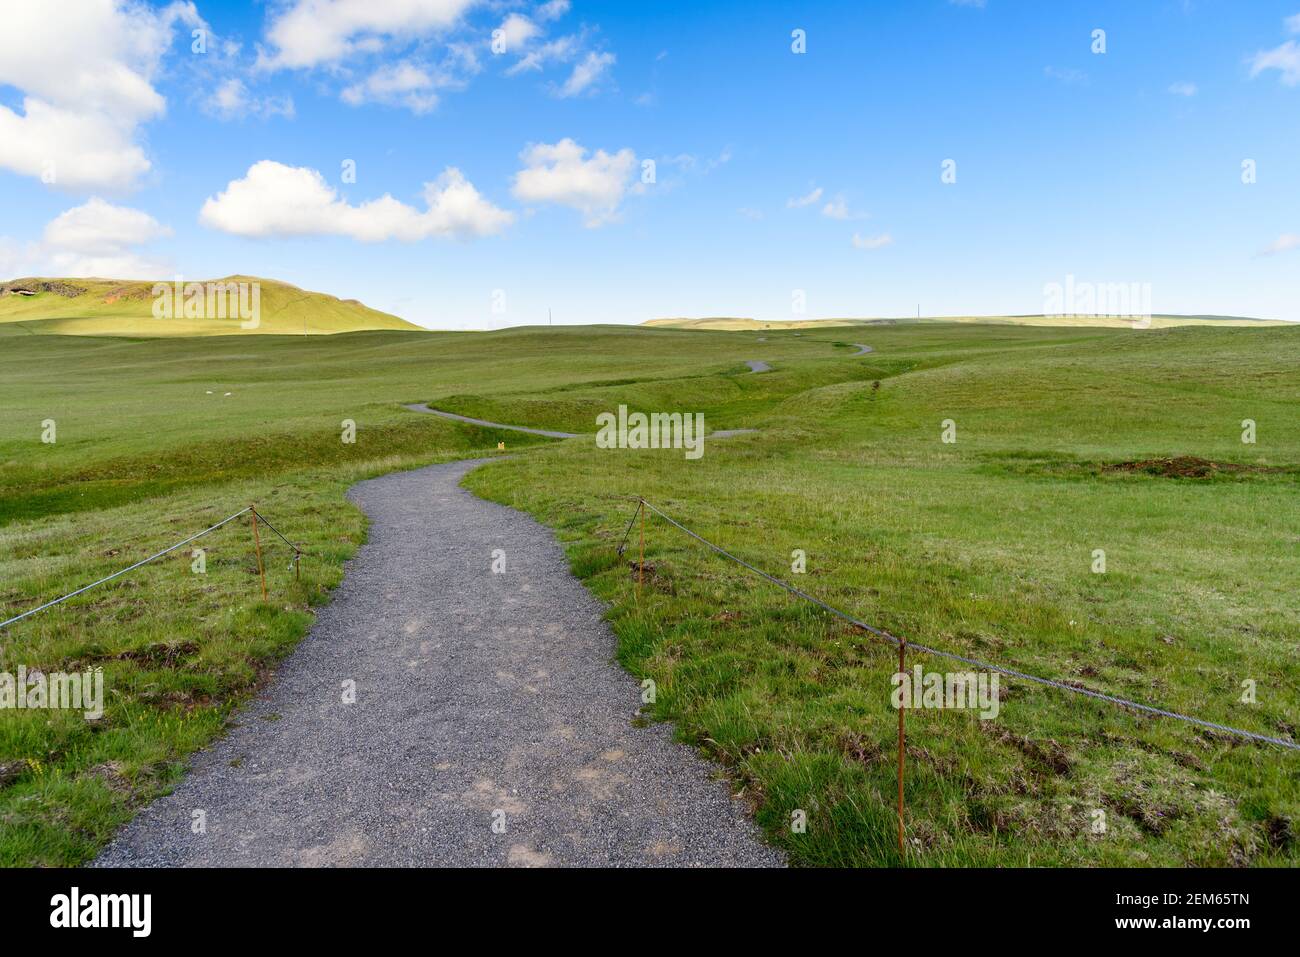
column 421, row 407
column 862, row 350
column 758, row 365
column 478, row 696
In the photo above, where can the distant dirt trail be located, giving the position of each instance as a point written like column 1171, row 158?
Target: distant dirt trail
column 480, row 698
column 862, row 350
column 758, row 365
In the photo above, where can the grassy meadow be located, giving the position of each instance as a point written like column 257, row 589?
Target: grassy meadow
column 983, row 547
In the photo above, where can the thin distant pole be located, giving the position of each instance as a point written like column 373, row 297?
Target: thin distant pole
column 549, row 321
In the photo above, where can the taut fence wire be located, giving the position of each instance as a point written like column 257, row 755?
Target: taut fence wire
column 951, row 656
column 297, row 553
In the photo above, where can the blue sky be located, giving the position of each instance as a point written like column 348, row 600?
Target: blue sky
column 774, row 171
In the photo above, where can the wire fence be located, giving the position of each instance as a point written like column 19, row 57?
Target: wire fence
column 951, row 656
column 249, row 510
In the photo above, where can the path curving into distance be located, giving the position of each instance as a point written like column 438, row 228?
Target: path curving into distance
column 421, row 407
column 476, row 693
column 755, row 365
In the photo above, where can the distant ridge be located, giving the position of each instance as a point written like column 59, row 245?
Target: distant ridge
column 111, row 307
column 1114, row 322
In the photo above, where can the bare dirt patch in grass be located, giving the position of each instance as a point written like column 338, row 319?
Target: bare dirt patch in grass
column 1189, row 466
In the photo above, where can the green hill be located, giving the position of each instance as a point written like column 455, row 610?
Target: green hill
column 106, row 307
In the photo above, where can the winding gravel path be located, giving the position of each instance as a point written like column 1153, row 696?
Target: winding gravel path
column 421, row 407
column 758, row 365
column 862, row 350
column 476, row 693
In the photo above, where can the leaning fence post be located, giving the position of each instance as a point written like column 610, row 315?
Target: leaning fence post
column 902, row 711
column 257, row 544
column 640, row 567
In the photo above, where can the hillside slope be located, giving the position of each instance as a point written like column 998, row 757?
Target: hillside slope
column 105, row 307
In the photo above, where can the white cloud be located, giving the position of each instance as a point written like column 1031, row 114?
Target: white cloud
column 561, row 174
column 559, row 50
column 873, row 242
column 86, row 75
column 97, row 239
column 231, row 101
column 516, row 31
column 750, row 213
column 402, row 84
column 277, row 200
column 586, row 76
column 552, row 10
column 1182, row 89
column 1067, row 75
column 1284, row 243
column 412, row 85
column 690, row 163
column 838, row 208
column 1285, row 59
column 309, row 33
column 806, row 200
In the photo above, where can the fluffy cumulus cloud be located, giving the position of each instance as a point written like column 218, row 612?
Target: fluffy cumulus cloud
column 380, row 50
column 277, row 200
column 380, row 47
column 100, row 239
column 86, row 79
column 515, row 32
column 310, row 33
column 562, row 173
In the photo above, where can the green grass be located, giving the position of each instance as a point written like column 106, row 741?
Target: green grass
column 983, row 547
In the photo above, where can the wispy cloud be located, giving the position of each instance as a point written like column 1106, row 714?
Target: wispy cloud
column 1067, row 75
column 838, row 208
column 1285, row 58
column 588, row 75
column 231, row 100
column 1284, row 243
column 873, row 242
column 1182, row 89
column 807, row 199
